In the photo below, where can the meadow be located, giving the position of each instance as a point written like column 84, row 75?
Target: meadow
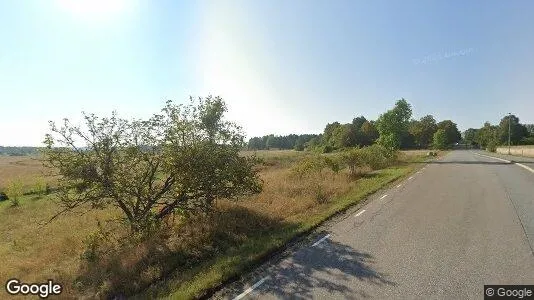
column 90, row 256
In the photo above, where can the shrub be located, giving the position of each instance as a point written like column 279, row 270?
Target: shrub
column 374, row 157
column 333, row 162
column 309, row 165
column 492, row 145
column 14, row 191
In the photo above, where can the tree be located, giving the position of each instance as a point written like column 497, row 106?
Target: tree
column 423, row 131
column 439, row 140
column 451, row 131
column 271, row 142
column 487, row 136
column 358, row 122
column 518, row 131
column 176, row 162
column 470, row 136
column 393, row 124
column 369, row 133
column 329, row 132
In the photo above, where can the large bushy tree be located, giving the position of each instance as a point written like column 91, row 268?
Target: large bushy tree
column 451, row 131
column 179, row 161
column 518, row 131
column 423, row 131
column 393, row 124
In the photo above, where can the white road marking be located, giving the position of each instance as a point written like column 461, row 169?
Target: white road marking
column 383, row 196
column 493, row 157
column 321, row 240
column 525, row 167
column 361, row 212
column 250, row 289
column 411, row 177
column 508, row 161
column 418, row 172
column 398, row 186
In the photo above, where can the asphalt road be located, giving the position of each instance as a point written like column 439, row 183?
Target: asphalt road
column 459, row 223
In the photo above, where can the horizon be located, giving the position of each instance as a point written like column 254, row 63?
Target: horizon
column 281, row 67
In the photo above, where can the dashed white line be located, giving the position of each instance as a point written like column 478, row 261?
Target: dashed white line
column 321, row 240
column 250, row 289
column 398, row 186
column 361, row 212
column 383, row 197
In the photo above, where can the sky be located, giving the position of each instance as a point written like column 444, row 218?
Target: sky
column 281, row 66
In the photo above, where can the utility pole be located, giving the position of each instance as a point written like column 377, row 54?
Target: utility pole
column 509, row 130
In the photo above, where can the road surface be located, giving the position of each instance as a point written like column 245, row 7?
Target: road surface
column 459, row 223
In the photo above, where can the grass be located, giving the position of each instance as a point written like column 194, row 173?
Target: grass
column 200, row 253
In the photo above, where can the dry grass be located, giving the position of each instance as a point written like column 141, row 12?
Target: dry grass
column 27, row 170
column 526, row 150
column 221, row 244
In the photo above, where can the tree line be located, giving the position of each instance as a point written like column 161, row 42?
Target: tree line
column 19, row 151
column 394, row 129
column 490, row 136
column 292, row 141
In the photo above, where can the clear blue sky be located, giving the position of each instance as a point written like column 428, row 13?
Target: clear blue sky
column 282, row 66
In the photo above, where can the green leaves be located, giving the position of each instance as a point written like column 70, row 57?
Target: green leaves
column 179, row 161
column 393, row 124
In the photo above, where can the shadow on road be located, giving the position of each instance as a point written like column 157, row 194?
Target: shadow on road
column 318, row 272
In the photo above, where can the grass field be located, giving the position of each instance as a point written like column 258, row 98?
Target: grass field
column 527, row 150
column 198, row 253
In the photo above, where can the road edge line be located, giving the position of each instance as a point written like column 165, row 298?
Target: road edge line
column 525, row 167
column 508, row 161
column 505, row 160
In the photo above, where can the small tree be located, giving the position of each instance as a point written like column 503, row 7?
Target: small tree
column 439, row 140
column 179, row 161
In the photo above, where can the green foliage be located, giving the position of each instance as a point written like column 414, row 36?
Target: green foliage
column 423, row 131
column 333, row 162
column 452, row 133
column 14, row 191
column 439, row 140
column 373, row 157
column 517, row 130
column 309, row 165
column 176, row 162
column 492, row 145
column 470, row 136
column 393, row 124
column 292, row 141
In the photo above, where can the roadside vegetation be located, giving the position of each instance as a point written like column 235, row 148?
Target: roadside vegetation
column 395, row 129
column 172, row 206
column 489, row 137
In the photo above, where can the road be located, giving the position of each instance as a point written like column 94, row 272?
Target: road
column 459, row 223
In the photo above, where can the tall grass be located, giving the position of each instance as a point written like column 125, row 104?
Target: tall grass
column 189, row 255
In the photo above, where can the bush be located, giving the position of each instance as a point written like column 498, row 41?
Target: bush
column 333, row 162
column 309, row 165
column 14, row 191
column 374, row 157
column 492, row 145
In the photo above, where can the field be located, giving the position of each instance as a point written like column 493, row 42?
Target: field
column 196, row 253
column 518, row 150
